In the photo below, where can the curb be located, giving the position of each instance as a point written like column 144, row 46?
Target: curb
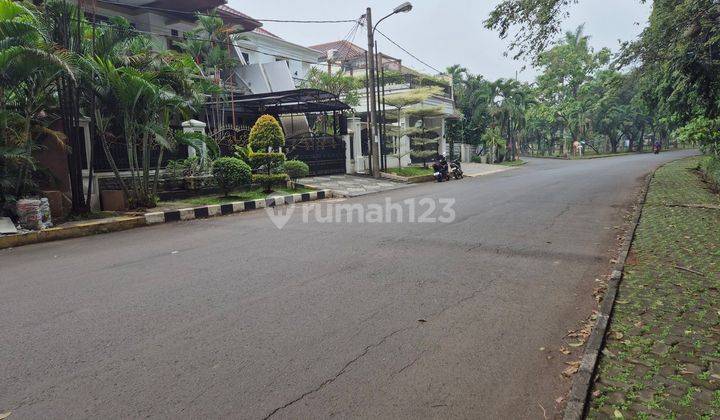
column 494, row 171
column 582, row 381
column 408, row 179
column 129, row 222
column 213, row 210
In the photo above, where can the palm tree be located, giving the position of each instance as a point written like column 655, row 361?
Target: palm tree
column 29, row 68
column 457, row 73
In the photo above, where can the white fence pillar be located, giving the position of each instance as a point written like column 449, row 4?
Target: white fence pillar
column 194, row 126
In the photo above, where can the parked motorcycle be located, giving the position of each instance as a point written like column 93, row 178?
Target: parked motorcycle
column 456, row 169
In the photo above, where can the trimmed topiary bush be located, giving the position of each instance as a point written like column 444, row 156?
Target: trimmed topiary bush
column 231, row 173
column 266, row 134
column 266, row 139
column 296, row 169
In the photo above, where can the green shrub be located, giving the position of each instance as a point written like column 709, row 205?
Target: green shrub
column 230, row 173
column 268, row 180
column 266, row 138
column 264, row 160
column 703, row 132
column 710, row 168
column 296, row 169
column 266, row 134
column 476, row 159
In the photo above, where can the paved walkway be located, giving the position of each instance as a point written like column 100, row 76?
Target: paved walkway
column 355, row 185
column 473, row 169
column 351, row 185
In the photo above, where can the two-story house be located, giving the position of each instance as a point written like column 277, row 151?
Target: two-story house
column 351, row 59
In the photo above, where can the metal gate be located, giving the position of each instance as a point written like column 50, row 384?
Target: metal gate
column 325, row 155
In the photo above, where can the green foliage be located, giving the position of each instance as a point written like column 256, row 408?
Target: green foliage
column 30, row 67
column 243, row 153
column 192, row 166
column 344, row 87
column 535, row 22
column 710, row 168
column 269, row 180
column 393, row 77
column 259, row 161
column 266, row 134
column 230, row 173
column 703, row 132
column 266, row 137
column 494, row 141
column 296, row 169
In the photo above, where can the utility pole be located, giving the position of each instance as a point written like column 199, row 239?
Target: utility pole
column 375, row 150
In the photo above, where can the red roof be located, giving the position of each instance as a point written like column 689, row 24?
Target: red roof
column 344, row 49
column 231, row 15
column 265, row 32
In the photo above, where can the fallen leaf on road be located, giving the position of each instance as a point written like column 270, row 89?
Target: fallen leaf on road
column 542, row 348
column 559, row 400
column 618, row 414
column 618, row 335
column 576, row 344
column 563, row 350
column 421, row 320
column 622, row 302
column 571, row 369
column 3, row 416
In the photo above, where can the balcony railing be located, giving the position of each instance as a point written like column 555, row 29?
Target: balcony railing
column 414, row 81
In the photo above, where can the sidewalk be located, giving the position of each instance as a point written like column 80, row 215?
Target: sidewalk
column 473, row 169
column 662, row 355
column 350, row 185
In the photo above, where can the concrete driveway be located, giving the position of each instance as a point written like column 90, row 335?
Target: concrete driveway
column 232, row 317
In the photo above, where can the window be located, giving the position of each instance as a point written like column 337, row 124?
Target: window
column 246, row 57
column 173, row 39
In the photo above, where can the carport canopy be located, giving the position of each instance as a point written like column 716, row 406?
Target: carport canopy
column 297, row 101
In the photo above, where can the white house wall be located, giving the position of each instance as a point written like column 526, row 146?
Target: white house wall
column 267, row 49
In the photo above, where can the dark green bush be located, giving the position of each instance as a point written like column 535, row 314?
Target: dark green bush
column 268, row 180
column 710, row 168
column 230, row 173
column 476, row 159
column 296, row 169
column 260, row 161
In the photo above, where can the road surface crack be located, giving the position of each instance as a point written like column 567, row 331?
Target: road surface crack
column 328, row 381
column 411, row 363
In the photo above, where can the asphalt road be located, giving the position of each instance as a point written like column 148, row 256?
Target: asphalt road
column 232, row 317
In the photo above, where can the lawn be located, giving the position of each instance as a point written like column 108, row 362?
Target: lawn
column 662, row 357
column 245, row 195
column 409, row 171
column 517, row 162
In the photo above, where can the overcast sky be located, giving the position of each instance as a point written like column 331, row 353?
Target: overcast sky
column 439, row 32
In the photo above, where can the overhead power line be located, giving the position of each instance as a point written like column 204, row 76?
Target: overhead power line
column 408, row 52
column 307, row 21
column 160, row 9
column 197, row 38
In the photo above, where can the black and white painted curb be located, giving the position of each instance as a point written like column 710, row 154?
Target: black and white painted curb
column 213, row 210
column 577, row 404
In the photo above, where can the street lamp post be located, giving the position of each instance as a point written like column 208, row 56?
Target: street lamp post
column 372, row 126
